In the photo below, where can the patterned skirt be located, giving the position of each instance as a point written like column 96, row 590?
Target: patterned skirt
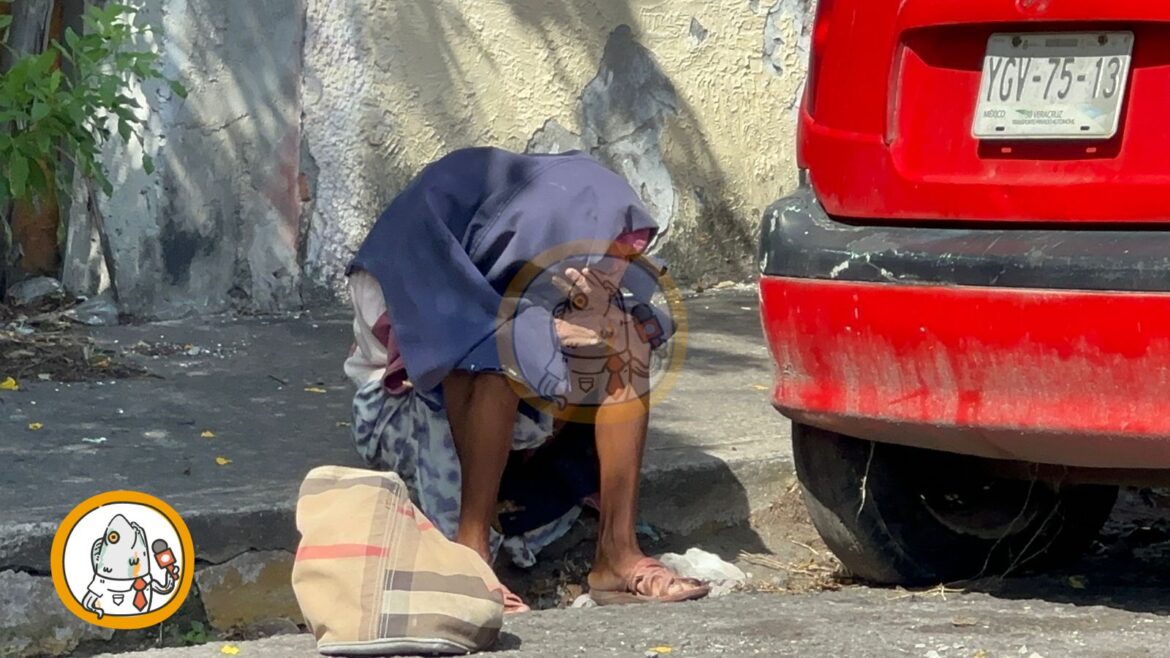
column 543, row 487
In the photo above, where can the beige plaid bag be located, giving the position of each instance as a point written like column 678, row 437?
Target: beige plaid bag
column 373, row 577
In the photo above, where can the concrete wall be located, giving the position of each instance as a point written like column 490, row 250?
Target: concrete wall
column 219, row 221
column 692, row 100
column 305, row 117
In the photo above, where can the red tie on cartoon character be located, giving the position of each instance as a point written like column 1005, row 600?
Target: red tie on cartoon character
column 140, row 599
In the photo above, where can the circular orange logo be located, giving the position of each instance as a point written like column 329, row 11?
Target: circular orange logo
column 617, row 338
column 123, row 560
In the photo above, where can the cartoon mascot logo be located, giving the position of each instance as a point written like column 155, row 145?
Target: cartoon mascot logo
column 123, row 560
column 584, row 327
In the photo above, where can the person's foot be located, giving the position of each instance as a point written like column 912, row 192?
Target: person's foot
column 635, row 578
column 477, row 542
column 513, row 604
column 611, row 570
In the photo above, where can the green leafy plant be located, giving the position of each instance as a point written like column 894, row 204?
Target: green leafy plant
column 57, row 120
column 196, row 635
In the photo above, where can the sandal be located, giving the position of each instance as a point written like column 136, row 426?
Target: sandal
column 513, row 604
column 649, row 582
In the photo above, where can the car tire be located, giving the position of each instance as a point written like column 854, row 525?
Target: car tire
column 928, row 517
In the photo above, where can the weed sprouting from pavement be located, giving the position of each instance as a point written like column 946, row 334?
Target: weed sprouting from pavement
column 1024, row 556
column 1008, row 531
column 865, row 478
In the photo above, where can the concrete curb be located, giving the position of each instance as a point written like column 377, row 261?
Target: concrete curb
column 246, row 581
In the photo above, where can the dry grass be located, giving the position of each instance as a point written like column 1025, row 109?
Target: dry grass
column 820, row 573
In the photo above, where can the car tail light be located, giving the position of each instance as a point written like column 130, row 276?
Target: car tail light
column 820, row 38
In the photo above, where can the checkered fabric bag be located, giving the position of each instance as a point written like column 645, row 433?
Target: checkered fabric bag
column 373, row 577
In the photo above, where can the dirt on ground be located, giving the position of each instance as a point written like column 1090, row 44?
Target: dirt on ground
column 41, row 342
column 781, row 553
column 778, row 550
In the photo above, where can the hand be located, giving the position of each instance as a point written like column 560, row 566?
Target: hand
column 586, row 290
column 589, row 321
column 575, row 335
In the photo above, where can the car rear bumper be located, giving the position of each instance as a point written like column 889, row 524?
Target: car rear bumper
column 1041, row 346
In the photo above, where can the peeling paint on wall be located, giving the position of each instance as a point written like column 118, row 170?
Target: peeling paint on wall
column 306, row 117
column 789, row 22
column 698, row 32
column 624, row 109
column 552, row 137
column 216, row 224
column 788, row 38
column 675, row 96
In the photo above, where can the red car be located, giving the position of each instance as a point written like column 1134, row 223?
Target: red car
column 968, row 297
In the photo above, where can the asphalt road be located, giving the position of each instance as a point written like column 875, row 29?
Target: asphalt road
column 858, row 622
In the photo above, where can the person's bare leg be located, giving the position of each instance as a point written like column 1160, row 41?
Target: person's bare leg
column 620, row 444
column 482, row 411
column 620, row 434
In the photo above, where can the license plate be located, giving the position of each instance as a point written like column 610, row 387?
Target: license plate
column 1053, row 86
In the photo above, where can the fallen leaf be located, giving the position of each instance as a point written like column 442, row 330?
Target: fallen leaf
column 103, row 362
column 229, row 649
column 964, row 621
column 36, row 427
column 9, row 384
column 1077, row 582
column 222, row 461
column 759, row 387
column 315, row 389
column 207, row 434
column 981, row 653
column 660, row 651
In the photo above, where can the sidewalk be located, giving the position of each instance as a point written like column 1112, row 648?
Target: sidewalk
column 858, row 622
column 273, row 394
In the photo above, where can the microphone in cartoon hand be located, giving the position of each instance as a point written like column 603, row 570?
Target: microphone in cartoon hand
column 164, row 557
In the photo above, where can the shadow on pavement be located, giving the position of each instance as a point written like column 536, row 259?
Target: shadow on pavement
column 707, row 360
column 1128, row 568
column 507, row 642
column 712, row 494
column 736, row 314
